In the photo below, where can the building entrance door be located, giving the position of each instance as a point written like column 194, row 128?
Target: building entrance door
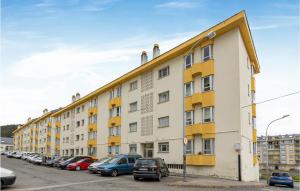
column 148, row 150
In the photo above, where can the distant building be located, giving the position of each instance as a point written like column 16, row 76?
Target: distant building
column 283, row 151
column 6, row 144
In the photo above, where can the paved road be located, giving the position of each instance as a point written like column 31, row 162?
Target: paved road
column 33, row 177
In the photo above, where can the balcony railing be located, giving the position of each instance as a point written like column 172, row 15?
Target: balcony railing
column 254, row 135
column 92, row 127
column 204, row 69
column 201, row 160
column 114, row 102
column 58, row 124
column 207, row 130
column 253, row 84
column 205, row 99
column 92, row 142
column 114, row 140
column 253, row 110
column 114, row 121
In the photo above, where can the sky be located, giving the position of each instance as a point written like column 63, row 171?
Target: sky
column 52, row 49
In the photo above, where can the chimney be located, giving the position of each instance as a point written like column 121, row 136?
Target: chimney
column 73, row 98
column 156, row 51
column 45, row 111
column 77, row 96
column 144, row 57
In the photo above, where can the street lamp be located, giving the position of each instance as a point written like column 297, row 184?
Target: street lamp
column 267, row 161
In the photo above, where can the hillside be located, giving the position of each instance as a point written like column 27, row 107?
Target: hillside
column 6, row 130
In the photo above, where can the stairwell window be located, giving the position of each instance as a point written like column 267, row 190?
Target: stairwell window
column 188, row 61
column 208, row 146
column 133, row 127
column 163, row 97
column 189, row 117
column 207, row 53
column 188, row 89
column 208, row 114
column 133, row 85
column 207, row 83
column 163, row 122
column 133, row 107
column 163, row 72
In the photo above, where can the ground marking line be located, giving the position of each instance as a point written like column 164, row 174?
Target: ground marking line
column 64, row 185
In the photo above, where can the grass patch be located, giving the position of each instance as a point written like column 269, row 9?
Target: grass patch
column 296, row 178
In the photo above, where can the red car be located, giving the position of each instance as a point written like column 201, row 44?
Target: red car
column 82, row 164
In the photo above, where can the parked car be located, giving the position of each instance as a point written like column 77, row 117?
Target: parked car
column 281, row 178
column 37, row 160
column 93, row 167
column 120, row 164
column 82, row 164
column 155, row 168
column 17, row 155
column 8, row 177
column 10, row 154
column 56, row 162
column 63, row 165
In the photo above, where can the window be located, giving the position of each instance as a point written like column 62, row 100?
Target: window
column 189, row 147
column 207, row 83
column 68, row 114
column 163, row 147
column 188, row 61
column 82, row 122
column 207, row 53
column 92, row 135
column 81, row 152
column 119, row 89
column 249, row 118
column 208, row 146
column 133, row 127
column 188, row 89
column 133, row 106
column 131, row 160
column 163, row 72
column 117, row 150
column 78, row 124
column 253, row 96
column 189, row 117
column 253, row 122
column 163, row 121
column 133, row 85
column 78, row 111
column 163, row 97
column 118, row 111
column 114, row 131
column 67, row 140
column 82, row 108
column 111, row 94
column 68, row 127
column 82, row 136
column 248, row 90
column 132, row 148
column 208, row 114
column 77, row 137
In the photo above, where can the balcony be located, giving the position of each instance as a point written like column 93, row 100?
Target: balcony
column 92, row 127
column 205, row 99
column 49, row 124
column 253, row 84
column 114, row 121
column 253, row 110
column 255, row 160
column 115, row 102
column 92, row 142
column 114, row 140
column 204, row 69
column 92, row 110
column 57, row 135
column 254, row 135
column 207, row 130
column 201, row 160
column 48, row 134
column 57, row 147
column 48, row 144
column 58, row 124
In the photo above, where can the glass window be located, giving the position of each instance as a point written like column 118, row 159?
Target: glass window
column 189, row 117
column 163, row 97
column 77, row 123
column 132, row 148
column 189, row 147
column 78, row 111
column 111, row 94
column 208, row 145
column 163, row 121
column 118, row 111
column 208, row 114
column 117, row 150
column 188, row 61
column 188, row 89
column 207, row 83
column 133, row 86
column 207, row 53
column 133, row 127
column 119, row 89
column 163, row 147
column 123, row 161
column 131, row 160
column 163, row 72
column 133, row 106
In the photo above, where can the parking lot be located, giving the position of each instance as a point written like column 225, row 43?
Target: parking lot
column 34, row 177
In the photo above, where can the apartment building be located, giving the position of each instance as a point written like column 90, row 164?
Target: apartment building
column 202, row 92
column 282, row 152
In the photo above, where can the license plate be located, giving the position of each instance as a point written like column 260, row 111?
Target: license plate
column 143, row 169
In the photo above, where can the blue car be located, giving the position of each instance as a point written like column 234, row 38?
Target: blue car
column 281, row 178
column 120, row 164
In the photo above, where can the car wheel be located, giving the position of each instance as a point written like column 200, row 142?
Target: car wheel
column 135, row 178
column 77, row 168
column 292, row 186
column 114, row 173
column 270, row 184
column 158, row 177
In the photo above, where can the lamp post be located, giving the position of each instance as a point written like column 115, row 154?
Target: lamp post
column 267, row 161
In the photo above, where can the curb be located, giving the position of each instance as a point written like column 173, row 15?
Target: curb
column 187, row 184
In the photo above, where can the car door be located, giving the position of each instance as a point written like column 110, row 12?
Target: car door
column 131, row 161
column 122, row 166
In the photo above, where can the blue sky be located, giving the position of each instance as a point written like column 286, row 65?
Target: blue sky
column 52, row 49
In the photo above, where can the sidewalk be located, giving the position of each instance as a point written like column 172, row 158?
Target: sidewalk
column 211, row 182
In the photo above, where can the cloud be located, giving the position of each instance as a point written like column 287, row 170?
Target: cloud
column 177, row 5
column 274, row 22
column 288, row 6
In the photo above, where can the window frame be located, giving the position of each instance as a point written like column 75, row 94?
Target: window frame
column 211, row 113
column 210, row 56
column 161, row 145
column 211, row 150
column 192, row 89
column 192, row 117
column 192, row 59
column 133, row 85
column 164, row 72
column 130, row 128
column 211, row 83
column 161, row 94
column 161, row 118
column 131, row 105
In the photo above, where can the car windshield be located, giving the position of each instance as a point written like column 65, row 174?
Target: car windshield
column 103, row 160
column 70, row 159
column 145, row 162
column 113, row 160
column 280, row 174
